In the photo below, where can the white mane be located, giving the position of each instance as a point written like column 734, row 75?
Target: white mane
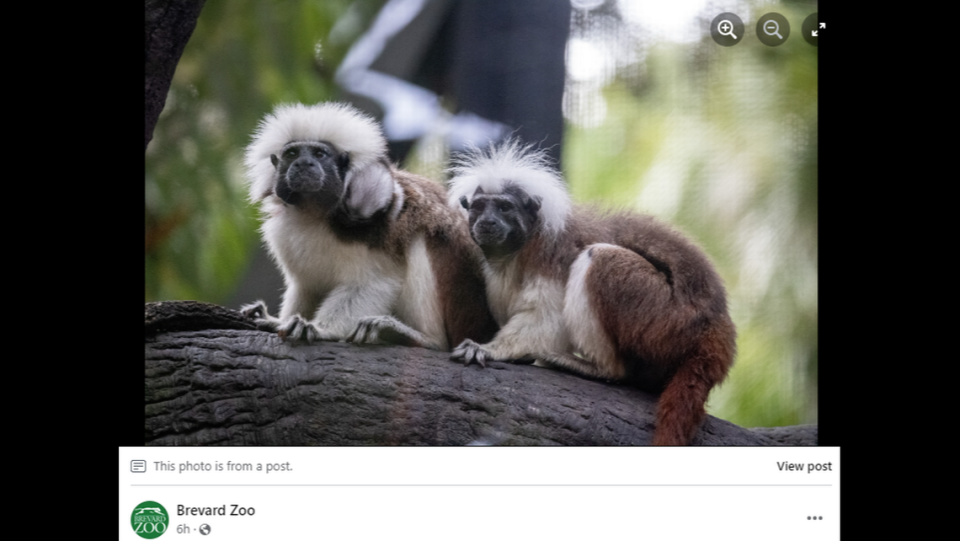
column 512, row 163
column 339, row 124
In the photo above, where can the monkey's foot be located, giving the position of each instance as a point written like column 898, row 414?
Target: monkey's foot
column 387, row 330
column 298, row 329
column 257, row 312
column 469, row 352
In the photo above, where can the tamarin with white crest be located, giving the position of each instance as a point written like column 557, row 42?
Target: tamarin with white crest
column 616, row 296
column 369, row 253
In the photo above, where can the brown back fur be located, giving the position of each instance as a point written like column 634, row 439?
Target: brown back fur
column 665, row 309
column 454, row 256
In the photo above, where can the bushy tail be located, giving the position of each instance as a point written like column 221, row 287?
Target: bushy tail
column 680, row 410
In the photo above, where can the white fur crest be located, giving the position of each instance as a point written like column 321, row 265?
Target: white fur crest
column 512, row 163
column 339, row 124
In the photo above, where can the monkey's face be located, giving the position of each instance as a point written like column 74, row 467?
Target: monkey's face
column 310, row 174
column 501, row 223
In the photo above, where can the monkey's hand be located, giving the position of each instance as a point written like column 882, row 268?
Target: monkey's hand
column 469, row 352
column 298, row 329
column 294, row 329
column 388, row 330
column 261, row 317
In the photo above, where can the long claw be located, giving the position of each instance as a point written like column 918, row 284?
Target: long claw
column 470, row 352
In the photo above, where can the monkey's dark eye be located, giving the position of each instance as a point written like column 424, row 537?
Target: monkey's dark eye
column 321, row 153
column 290, row 153
column 504, row 206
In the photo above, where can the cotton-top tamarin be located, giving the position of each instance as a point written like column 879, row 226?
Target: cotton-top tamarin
column 369, row 253
column 615, row 296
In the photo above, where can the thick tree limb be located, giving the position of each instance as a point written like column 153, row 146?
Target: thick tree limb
column 226, row 386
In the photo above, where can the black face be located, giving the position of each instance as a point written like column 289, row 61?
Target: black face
column 502, row 223
column 310, row 174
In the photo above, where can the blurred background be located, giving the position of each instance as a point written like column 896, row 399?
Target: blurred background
column 638, row 104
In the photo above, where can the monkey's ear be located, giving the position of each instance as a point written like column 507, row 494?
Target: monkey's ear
column 274, row 160
column 368, row 191
column 530, row 204
column 464, row 203
column 343, row 163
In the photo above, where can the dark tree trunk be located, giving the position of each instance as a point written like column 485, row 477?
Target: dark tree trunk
column 212, row 380
column 168, row 25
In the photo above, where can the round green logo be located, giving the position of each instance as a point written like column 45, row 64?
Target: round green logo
column 149, row 520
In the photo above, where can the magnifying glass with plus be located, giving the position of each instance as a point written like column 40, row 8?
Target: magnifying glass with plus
column 725, row 28
column 771, row 28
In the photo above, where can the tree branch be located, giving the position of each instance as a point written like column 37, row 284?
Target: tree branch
column 210, row 382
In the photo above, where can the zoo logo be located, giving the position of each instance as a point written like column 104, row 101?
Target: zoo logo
column 149, row 520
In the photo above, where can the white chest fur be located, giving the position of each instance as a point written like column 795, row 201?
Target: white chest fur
column 313, row 256
column 503, row 283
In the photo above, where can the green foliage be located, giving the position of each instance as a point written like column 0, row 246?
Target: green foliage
column 243, row 58
column 721, row 142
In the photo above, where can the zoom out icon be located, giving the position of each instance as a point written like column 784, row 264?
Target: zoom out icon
column 773, row 29
column 726, row 29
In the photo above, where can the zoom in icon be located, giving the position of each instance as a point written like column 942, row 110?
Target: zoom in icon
column 773, row 29
column 726, row 29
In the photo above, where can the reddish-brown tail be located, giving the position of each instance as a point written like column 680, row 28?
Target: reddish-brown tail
column 681, row 407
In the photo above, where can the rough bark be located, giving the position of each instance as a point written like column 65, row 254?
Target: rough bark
column 211, row 380
column 168, row 25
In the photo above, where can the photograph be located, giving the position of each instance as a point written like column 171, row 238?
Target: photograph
column 451, row 223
